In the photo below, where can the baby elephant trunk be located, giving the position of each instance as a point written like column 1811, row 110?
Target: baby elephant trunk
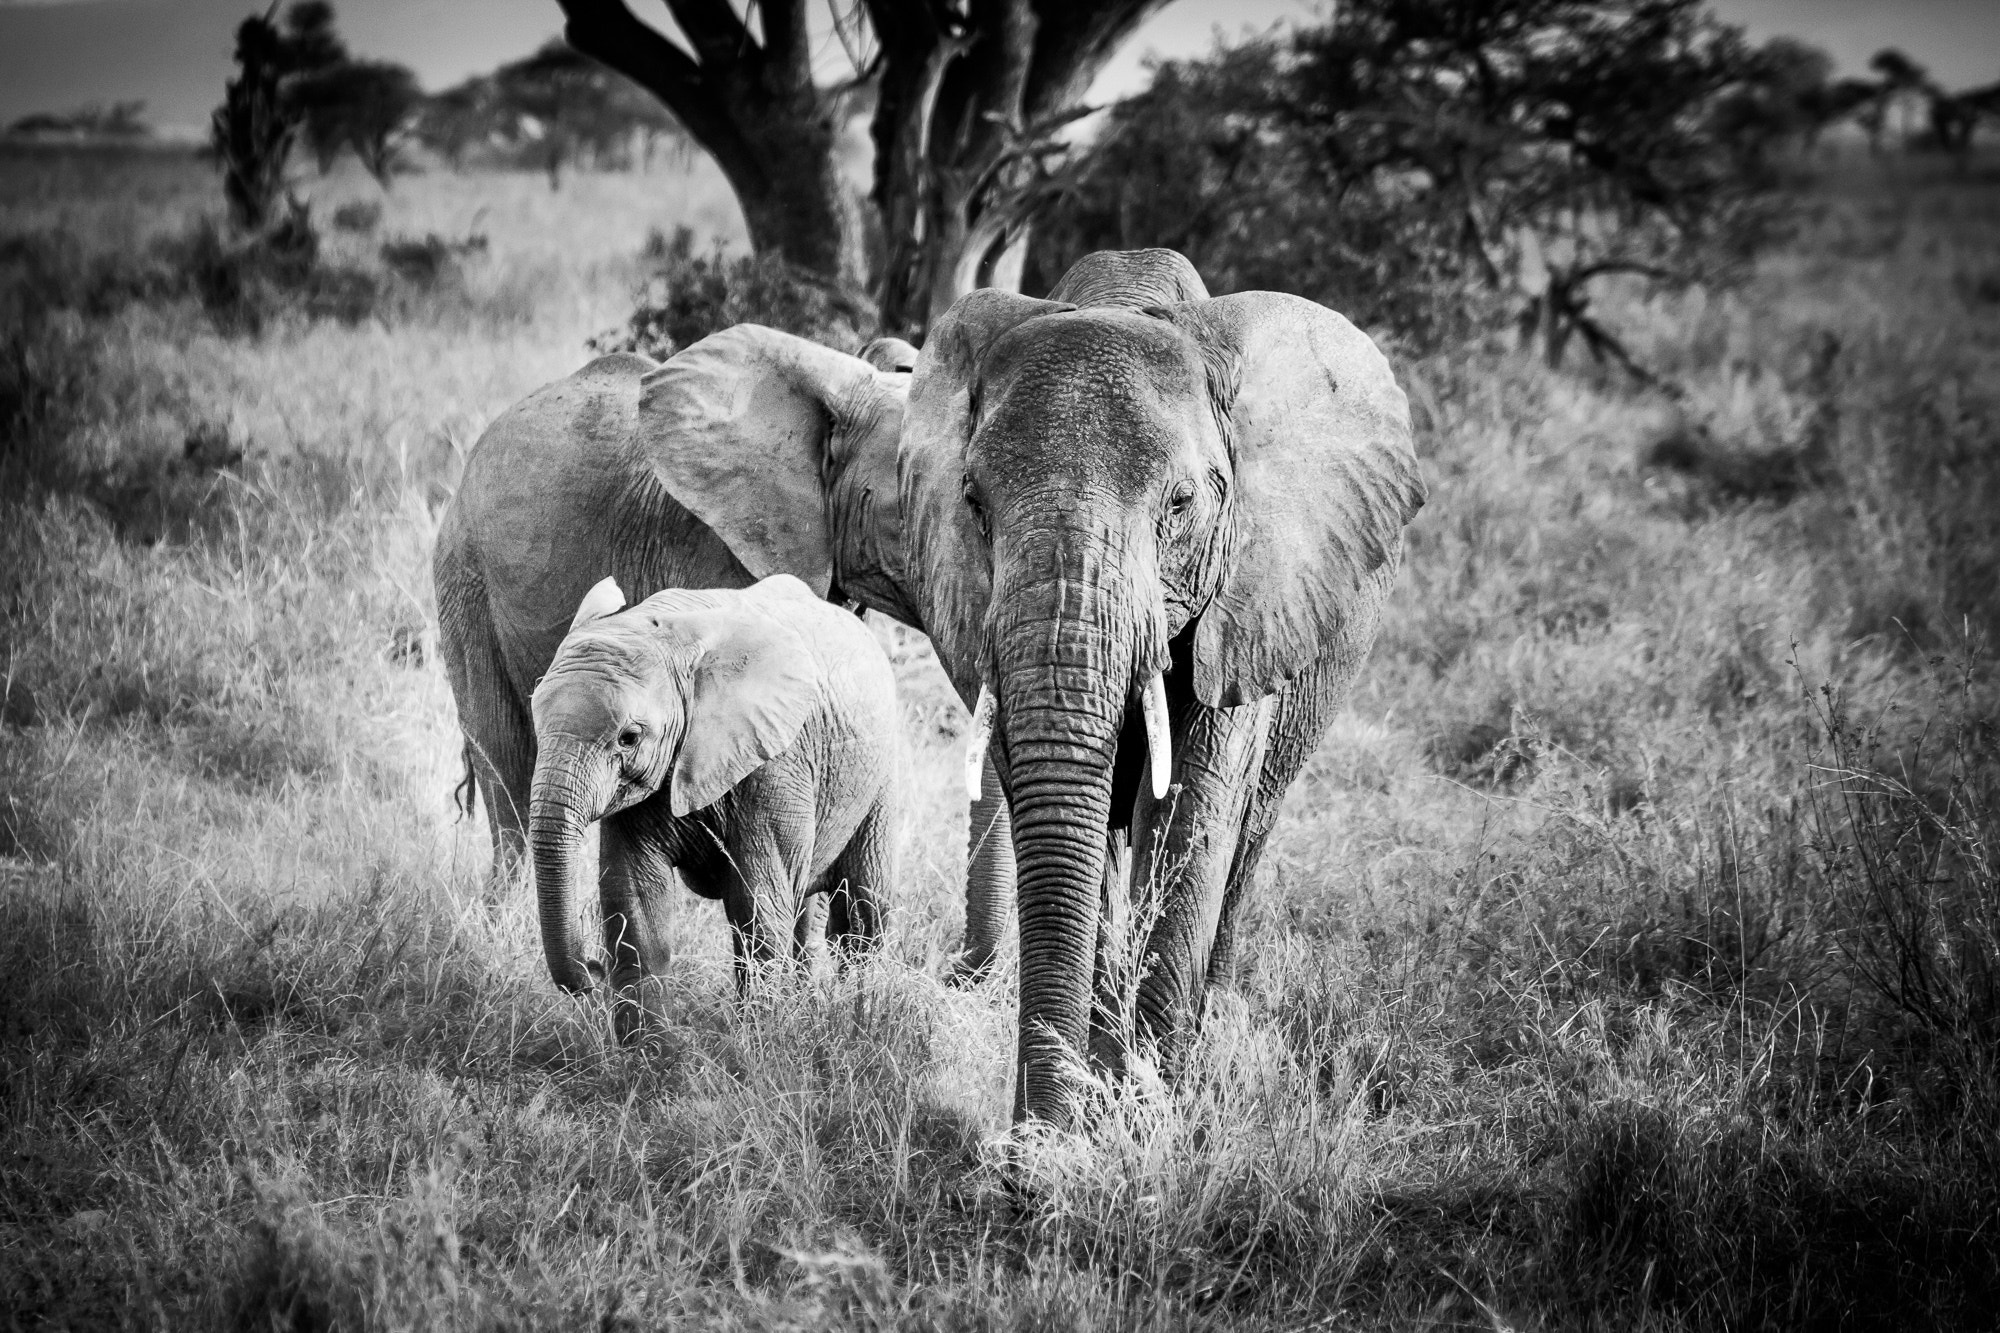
column 565, row 803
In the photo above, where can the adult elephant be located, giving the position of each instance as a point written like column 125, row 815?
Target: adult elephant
column 748, row 454
column 1151, row 534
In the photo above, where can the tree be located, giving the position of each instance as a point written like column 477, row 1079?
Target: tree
column 1903, row 83
column 1785, row 85
column 120, row 120
column 363, row 105
column 1431, row 166
column 454, row 122
column 252, row 132
column 967, row 93
column 569, row 107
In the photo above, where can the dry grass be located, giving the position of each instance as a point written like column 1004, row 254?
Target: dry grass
column 1576, row 998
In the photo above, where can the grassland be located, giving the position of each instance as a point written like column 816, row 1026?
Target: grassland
column 1608, row 972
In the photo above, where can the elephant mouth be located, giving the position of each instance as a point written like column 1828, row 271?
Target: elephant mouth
column 627, row 795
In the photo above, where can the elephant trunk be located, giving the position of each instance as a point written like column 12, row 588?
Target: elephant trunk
column 564, row 804
column 1066, row 650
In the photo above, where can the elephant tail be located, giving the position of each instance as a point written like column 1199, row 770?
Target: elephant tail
column 467, row 790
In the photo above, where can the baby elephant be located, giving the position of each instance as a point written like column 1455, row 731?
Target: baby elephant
column 745, row 737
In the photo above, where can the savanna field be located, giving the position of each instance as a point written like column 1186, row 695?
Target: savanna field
column 1628, row 957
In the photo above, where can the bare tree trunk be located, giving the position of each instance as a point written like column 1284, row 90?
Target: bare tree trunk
column 753, row 106
column 964, row 90
column 960, row 113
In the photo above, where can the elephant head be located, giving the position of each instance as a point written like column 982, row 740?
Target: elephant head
column 1136, row 493
column 787, row 450
column 679, row 694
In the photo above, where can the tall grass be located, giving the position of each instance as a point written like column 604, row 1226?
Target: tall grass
column 1604, row 973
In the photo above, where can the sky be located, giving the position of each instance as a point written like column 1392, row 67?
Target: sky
column 174, row 54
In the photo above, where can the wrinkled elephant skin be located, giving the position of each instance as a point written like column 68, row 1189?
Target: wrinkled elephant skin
column 1127, row 487
column 747, row 739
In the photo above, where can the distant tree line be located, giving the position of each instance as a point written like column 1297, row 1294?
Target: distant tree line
column 297, row 86
column 119, row 120
column 555, row 109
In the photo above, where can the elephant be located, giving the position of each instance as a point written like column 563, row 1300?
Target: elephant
column 1150, row 534
column 744, row 737
column 750, row 453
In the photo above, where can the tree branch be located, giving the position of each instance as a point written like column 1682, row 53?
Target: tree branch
column 787, row 47
column 715, row 31
column 609, row 33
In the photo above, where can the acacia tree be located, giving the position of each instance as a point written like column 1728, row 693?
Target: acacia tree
column 578, row 109
column 1430, row 166
column 967, row 93
column 363, row 105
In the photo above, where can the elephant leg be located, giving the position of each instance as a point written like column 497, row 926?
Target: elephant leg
column 1112, row 979
column 857, row 885
column 1242, row 871
column 633, row 884
column 499, row 735
column 989, row 881
column 1300, row 716
column 809, row 923
column 1186, row 846
column 766, row 891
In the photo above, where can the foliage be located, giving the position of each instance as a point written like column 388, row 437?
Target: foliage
column 1907, row 843
column 964, row 100
column 1411, row 154
column 120, row 120
column 428, row 259
column 363, row 105
column 253, row 131
column 552, row 110
column 689, row 296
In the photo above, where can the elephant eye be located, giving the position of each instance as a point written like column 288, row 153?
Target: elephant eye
column 978, row 510
column 629, row 738
column 1182, row 498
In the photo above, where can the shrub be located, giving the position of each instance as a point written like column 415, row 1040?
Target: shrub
column 244, row 284
column 359, row 216
column 689, row 296
column 424, row 260
column 1432, row 169
column 1905, row 844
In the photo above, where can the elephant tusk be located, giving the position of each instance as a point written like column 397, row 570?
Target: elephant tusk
column 1154, row 701
column 975, row 750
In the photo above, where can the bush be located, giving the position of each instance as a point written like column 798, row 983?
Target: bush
column 689, row 296
column 1905, row 846
column 245, row 284
column 359, row 216
column 425, row 260
column 1432, row 169
column 241, row 283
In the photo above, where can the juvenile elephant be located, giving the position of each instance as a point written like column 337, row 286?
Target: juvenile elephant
column 748, row 454
column 747, row 739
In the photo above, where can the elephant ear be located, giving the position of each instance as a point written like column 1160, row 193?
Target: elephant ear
column 864, row 505
column 948, row 564
column 737, row 429
column 782, row 588
column 750, row 691
column 890, row 354
column 1133, row 278
column 1326, row 477
column 604, row 598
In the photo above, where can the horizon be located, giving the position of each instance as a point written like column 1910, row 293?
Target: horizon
column 57, row 56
